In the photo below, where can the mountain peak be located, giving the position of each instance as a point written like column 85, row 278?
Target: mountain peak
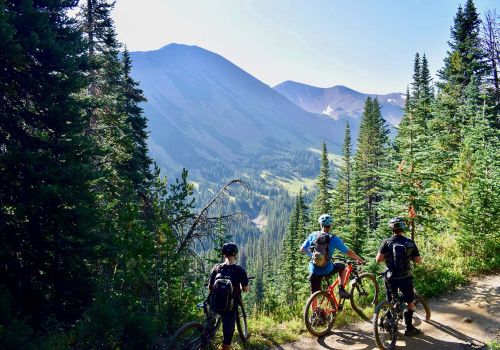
column 339, row 101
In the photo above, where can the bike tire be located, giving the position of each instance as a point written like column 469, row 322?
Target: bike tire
column 385, row 331
column 242, row 324
column 364, row 295
column 422, row 310
column 325, row 314
column 188, row 337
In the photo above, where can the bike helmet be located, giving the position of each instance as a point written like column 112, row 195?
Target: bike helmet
column 397, row 223
column 325, row 220
column 230, row 249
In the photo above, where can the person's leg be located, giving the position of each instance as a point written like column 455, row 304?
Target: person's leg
column 391, row 288
column 342, row 271
column 406, row 286
column 228, row 326
column 315, row 286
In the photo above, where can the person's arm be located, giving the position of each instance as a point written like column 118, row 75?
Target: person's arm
column 211, row 280
column 381, row 252
column 354, row 256
column 380, row 257
column 339, row 244
column 415, row 256
column 244, row 281
column 304, row 249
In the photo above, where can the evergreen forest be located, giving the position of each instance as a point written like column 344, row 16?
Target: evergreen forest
column 99, row 250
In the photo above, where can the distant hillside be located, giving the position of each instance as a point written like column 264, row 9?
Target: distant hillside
column 340, row 102
column 210, row 116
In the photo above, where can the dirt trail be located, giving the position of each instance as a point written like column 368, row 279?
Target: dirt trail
column 464, row 319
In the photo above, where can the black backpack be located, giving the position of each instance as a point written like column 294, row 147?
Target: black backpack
column 321, row 249
column 221, row 297
column 400, row 263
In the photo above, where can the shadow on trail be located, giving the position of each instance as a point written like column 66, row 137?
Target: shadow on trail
column 429, row 339
column 344, row 338
column 475, row 343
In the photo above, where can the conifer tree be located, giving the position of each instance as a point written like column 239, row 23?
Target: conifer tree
column 322, row 203
column 47, row 215
column 342, row 206
column 369, row 159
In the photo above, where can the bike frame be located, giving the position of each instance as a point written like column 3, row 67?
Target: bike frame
column 331, row 288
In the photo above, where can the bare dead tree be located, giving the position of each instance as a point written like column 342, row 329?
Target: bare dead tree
column 491, row 45
column 204, row 224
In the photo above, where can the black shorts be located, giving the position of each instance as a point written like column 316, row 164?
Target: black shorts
column 316, row 279
column 405, row 285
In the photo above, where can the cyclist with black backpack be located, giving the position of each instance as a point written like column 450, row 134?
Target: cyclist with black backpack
column 227, row 280
column 397, row 252
column 319, row 246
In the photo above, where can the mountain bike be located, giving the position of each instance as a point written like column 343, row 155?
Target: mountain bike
column 323, row 306
column 198, row 336
column 388, row 315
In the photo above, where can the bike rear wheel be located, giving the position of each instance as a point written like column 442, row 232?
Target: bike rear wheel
column 319, row 313
column 241, row 324
column 385, row 325
column 364, row 295
column 188, row 337
column 421, row 310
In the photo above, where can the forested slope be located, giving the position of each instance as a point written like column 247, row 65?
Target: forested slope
column 98, row 250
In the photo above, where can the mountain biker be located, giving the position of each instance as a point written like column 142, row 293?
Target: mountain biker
column 397, row 252
column 321, row 266
column 238, row 277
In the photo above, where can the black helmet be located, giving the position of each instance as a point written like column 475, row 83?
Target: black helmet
column 397, row 223
column 230, row 249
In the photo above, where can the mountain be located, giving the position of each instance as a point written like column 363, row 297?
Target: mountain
column 340, row 102
column 210, row 116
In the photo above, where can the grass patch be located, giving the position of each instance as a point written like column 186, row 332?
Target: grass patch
column 493, row 345
column 267, row 332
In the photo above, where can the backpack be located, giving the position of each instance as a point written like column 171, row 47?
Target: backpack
column 221, row 297
column 321, row 249
column 400, row 263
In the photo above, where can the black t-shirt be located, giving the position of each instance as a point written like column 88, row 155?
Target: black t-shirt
column 236, row 274
column 386, row 248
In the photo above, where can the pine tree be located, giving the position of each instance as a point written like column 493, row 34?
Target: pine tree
column 473, row 204
column 342, row 206
column 322, row 203
column 47, row 215
column 138, row 167
column 369, row 158
column 409, row 173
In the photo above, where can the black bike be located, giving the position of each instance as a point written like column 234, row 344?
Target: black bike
column 198, row 336
column 388, row 315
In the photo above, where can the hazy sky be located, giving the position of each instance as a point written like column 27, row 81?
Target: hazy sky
column 367, row 45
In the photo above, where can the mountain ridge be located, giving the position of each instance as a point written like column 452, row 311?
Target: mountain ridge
column 340, row 101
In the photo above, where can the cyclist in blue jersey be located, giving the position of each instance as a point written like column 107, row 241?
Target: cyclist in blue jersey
column 320, row 246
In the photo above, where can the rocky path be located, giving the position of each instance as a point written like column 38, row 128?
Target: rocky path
column 464, row 319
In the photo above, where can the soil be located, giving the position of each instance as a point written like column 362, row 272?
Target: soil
column 467, row 318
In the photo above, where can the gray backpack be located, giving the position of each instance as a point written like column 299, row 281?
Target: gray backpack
column 321, row 249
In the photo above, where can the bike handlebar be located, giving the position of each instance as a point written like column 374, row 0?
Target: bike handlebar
column 347, row 260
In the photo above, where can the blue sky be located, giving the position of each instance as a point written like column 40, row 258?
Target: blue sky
column 366, row 45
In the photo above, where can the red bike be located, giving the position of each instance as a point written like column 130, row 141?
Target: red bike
column 323, row 306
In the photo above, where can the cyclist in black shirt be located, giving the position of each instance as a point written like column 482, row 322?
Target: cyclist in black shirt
column 397, row 252
column 238, row 277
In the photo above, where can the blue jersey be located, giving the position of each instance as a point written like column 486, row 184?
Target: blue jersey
column 335, row 243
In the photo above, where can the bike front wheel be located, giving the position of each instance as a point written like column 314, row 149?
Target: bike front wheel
column 241, row 324
column 319, row 313
column 421, row 310
column 364, row 295
column 385, row 325
column 188, row 337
